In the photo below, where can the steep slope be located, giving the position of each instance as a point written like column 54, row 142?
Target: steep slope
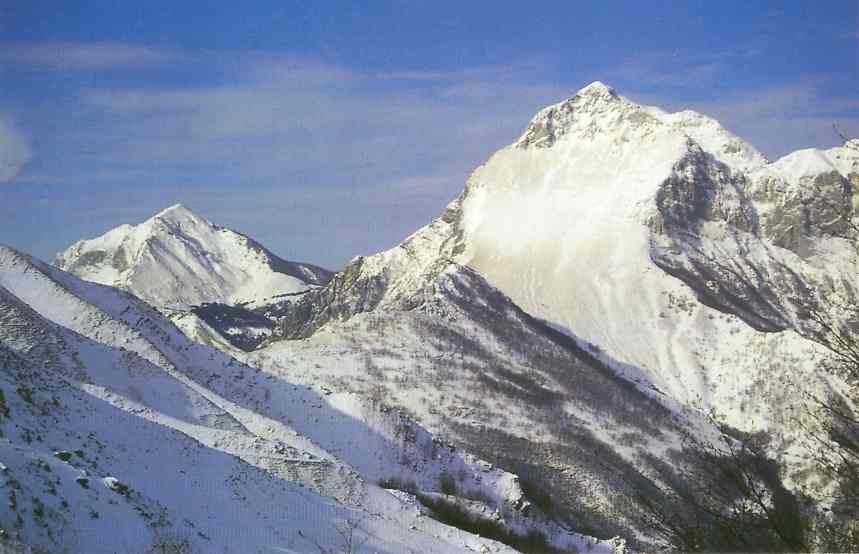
column 472, row 366
column 179, row 440
column 177, row 259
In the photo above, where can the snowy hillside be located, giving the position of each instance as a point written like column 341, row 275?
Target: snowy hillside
column 177, row 259
column 118, row 432
column 470, row 365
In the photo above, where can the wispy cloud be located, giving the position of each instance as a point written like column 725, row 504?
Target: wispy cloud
column 486, row 73
column 296, row 117
column 315, row 145
column 681, row 68
column 86, row 56
column 293, row 147
column 781, row 118
column 14, row 150
column 673, row 68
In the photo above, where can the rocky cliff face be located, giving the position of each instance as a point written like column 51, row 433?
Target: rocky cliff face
column 792, row 252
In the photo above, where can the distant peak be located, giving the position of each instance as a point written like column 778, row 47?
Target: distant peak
column 597, row 88
column 174, row 209
column 176, row 213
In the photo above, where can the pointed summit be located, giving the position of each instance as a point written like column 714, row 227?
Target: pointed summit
column 596, row 106
column 178, row 213
column 174, row 209
column 178, row 259
column 597, row 88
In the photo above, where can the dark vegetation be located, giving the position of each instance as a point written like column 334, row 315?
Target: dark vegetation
column 728, row 497
column 450, row 513
column 222, row 317
column 395, row 483
column 448, row 484
column 535, row 493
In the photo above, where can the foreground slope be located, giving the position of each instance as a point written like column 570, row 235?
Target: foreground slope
column 119, row 432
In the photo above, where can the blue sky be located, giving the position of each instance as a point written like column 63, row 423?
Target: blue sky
column 332, row 129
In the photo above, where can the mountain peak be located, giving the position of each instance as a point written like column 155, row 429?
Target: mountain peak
column 178, row 207
column 178, row 259
column 597, row 88
column 596, row 106
column 176, row 212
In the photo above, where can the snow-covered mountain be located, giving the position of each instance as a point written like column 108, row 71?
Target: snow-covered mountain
column 661, row 245
column 118, row 434
column 177, row 260
column 585, row 220
column 664, row 239
column 601, row 289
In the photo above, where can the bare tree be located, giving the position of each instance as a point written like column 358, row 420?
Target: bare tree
column 725, row 497
column 352, row 537
column 834, row 425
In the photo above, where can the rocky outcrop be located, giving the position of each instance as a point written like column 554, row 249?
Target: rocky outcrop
column 398, row 279
column 754, row 245
column 816, row 206
column 700, row 189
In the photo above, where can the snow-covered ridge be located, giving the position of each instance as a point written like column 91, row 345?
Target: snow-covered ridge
column 177, row 259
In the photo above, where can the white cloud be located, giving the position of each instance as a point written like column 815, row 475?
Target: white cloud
column 776, row 118
column 283, row 118
column 779, row 119
column 14, row 151
column 86, row 56
column 287, row 120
